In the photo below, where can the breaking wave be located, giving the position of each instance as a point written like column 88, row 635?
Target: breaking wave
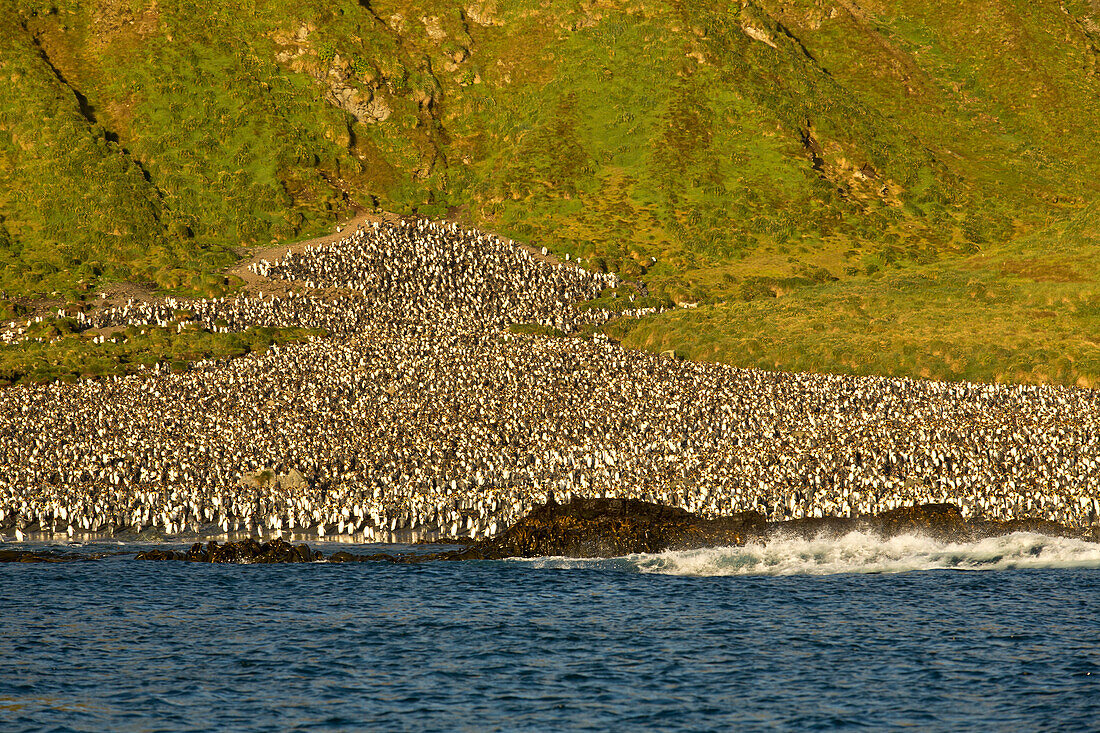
column 854, row 553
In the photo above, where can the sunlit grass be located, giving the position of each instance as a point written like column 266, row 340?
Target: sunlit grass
column 55, row 352
column 897, row 189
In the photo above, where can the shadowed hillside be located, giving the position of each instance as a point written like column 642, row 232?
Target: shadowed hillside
column 899, row 187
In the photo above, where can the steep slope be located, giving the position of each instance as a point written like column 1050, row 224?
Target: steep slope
column 829, row 180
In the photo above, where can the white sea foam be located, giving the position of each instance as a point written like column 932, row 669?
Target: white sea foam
column 856, row 553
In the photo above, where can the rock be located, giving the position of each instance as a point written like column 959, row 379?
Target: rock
column 292, row 479
column 939, row 521
column 434, row 28
column 245, row 551
column 360, row 103
column 424, row 99
column 616, row 527
column 483, row 13
column 263, row 478
column 258, row 479
column 377, row 110
column 51, row 556
column 983, row 528
column 613, row 527
column 159, row 555
column 342, row 556
column 758, row 34
column 344, row 87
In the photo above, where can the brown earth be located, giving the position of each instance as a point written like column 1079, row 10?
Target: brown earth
column 119, row 294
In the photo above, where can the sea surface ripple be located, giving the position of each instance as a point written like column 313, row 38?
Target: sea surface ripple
column 793, row 637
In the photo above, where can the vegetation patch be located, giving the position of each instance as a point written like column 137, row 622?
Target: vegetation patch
column 760, row 158
column 54, row 351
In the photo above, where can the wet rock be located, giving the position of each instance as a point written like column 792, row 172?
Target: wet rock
column 810, row 527
column 52, row 556
column 982, row 528
column 612, row 527
column 407, row 558
column 159, row 555
column 616, row 527
column 939, row 521
column 245, row 551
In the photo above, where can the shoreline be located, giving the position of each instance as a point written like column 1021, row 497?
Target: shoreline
column 601, row 529
column 213, row 533
column 807, row 528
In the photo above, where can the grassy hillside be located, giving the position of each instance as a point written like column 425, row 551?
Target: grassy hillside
column 900, row 187
column 57, row 350
column 1027, row 311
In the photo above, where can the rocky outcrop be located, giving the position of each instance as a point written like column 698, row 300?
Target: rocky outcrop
column 52, row 556
column 615, row 527
column 262, row 478
column 611, row 527
column 357, row 92
column 483, row 13
column 758, row 34
column 245, row 551
column 939, row 521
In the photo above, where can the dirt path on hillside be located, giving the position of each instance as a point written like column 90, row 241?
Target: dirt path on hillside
column 119, row 294
column 255, row 284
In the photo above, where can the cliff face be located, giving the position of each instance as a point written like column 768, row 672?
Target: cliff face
column 768, row 160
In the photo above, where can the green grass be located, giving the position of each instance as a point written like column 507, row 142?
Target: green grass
column 1021, row 313
column 803, row 172
column 148, row 151
column 945, row 326
column 56, row 352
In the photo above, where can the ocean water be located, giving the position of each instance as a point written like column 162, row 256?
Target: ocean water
column 854, row 633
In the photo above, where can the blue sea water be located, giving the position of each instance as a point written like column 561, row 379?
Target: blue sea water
column 853, row 633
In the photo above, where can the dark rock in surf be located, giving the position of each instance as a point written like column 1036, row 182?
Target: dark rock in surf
column 939, row 521
column 245, row 551
column 612, row 527
column 52, row 556
column 615, row 527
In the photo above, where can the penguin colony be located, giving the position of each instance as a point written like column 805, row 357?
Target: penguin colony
column 421, row 415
